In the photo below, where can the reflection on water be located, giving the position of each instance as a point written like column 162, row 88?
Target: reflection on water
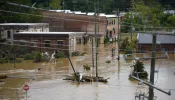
column 48, row 83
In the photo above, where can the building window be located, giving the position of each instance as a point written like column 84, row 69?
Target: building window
column 60, row 43
column 114, row 30
column 34, row 43
column 47, row 43
column 22, row 42
column 165, row 49
column 142, row 49
column 110, row 34
column 8, row 34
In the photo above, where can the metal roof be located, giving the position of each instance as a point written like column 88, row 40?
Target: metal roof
column 144, row 38
column 46, row 33
column 22, row 24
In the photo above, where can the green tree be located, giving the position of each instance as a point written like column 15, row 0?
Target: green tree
column 171, row 20
column 18, row 14
column 149, row 11
column 139, row 70
column 55, row 4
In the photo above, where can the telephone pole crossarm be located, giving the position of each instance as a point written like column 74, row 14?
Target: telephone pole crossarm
column 150, row 85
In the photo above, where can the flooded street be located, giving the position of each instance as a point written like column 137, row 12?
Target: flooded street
column 48, row 83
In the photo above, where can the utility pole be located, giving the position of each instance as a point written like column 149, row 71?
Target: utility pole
column 152, row 69
column 118, row 37
column 14, row 55
column 92, row 53
column 95, row 16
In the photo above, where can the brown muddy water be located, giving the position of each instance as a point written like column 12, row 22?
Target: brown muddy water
column 48, row 83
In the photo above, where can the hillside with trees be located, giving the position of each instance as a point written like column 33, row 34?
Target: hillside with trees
column 16, row 14
column 105, row 6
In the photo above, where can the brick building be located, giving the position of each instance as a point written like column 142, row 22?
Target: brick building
column 71, row 22
column 46, row 41
column 165, row 43
column 112, row 27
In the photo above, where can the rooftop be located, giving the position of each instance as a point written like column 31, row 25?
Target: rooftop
column 22, row 24
column 46, row 33
column 161, row 39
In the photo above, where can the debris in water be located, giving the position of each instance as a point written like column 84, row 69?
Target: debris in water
column 86, row 78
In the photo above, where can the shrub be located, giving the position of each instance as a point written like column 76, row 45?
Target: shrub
column 9, row 57
column 59, row 55
column 29, row 56
column 40, row 58
column 125, row 43
column 128, row 50
column 139, row 67
column 86, row 67
column 3, row 60
column 106, row 40
column 76, row 53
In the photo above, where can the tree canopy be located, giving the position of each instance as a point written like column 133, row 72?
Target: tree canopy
column 147, row 15
column 13, row 13
column 105, row 6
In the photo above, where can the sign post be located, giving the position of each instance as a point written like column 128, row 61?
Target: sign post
column 26, row 88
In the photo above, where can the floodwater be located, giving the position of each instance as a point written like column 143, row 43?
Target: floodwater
column 48, row 83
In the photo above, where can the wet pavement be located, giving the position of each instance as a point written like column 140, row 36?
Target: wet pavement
column 48, row 83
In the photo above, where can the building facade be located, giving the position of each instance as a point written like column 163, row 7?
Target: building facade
column 112, row 27
column 165, row 43
column 71, row 22
column 7, row 30
column 46, row 41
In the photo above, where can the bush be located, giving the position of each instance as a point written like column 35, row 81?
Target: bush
column 3, row 60
column 9, row 57
column 76, row 53
column 21, row 51
column 128, row 50
column 86, row 67
column 59, row 55
column 106, row 40
column 29, row 56
column 125, row 43
column 40, row 58
column 139, row 67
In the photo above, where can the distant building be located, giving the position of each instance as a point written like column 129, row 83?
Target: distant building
column 68, row 21
column 9, row 29
column 165, row 43
column 169, row 12
column 47, row 41
column 112, row 26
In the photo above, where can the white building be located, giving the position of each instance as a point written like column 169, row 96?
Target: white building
column 9, row 29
